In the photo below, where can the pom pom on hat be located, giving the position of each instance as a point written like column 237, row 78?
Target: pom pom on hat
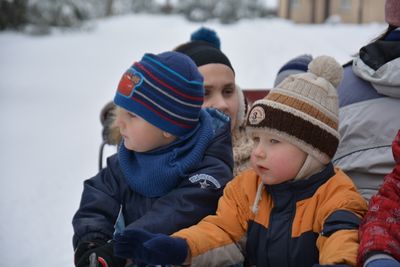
column 207, row 35
column 392, row 12
column 303, row 109
column 327, row 68
column 204, row 48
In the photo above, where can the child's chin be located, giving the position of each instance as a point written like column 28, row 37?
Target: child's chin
column 268, row 180
column 129, row 147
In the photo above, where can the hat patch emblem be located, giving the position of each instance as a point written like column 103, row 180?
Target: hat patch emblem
column 257, row 115
column 129, row 82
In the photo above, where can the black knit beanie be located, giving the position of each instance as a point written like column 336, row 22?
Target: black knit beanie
column 203, row 48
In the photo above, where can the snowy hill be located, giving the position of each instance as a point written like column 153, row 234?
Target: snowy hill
column 53, row 87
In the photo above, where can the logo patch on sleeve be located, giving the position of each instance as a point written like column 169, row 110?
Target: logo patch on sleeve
column 205, row 180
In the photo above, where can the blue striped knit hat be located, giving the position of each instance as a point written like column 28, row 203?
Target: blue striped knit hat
column 165, row 89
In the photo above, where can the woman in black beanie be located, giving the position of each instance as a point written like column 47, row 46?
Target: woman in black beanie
column 221, row 91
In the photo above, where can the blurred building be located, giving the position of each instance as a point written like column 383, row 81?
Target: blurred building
column 319, row 11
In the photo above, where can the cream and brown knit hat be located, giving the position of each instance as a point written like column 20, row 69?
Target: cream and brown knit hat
column 303, row 109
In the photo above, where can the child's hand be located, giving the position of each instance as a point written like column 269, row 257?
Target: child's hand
column 104, row 255
column 143, row 246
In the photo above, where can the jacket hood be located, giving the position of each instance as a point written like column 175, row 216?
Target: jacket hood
column 379, row 64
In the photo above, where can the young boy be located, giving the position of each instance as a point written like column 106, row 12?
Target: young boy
column 293, row 208
column 172, row 165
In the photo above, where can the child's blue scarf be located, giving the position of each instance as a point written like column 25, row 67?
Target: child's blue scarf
column 156, row 172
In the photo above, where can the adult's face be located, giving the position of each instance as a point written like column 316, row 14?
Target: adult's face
column 220, row 89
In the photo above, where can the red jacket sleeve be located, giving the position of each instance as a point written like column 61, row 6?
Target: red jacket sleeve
column 380, row 229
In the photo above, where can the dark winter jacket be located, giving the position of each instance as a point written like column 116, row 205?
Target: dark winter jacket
column 369, row 99
column 192, row 199
column 380, row 229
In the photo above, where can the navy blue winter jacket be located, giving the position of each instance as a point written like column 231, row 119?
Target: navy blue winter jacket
column 194, row 198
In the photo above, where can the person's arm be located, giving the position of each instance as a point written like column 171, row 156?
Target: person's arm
column 196, row 197
column 219, row 240
column 212, row 242
column 341, row 216
column 380, row 228
column 99, row 208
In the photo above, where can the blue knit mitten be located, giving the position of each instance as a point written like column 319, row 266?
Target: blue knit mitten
column 146, row 247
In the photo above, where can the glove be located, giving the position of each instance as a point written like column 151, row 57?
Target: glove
column 104, row 253
column 149, row 248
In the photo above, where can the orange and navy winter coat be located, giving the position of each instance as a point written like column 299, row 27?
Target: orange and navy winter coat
column 301, row 223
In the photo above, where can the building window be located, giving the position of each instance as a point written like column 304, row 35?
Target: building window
column 345, row 5
column 295, row 3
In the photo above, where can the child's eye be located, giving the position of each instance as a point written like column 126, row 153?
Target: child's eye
column 256, row 139
column 273, row 141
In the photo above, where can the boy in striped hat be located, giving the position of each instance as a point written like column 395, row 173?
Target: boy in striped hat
column 172, row 165
column 293, row 208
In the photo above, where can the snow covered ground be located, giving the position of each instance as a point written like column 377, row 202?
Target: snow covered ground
column 53, row 87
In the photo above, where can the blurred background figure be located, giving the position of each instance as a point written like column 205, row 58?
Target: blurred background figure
column 296, row 65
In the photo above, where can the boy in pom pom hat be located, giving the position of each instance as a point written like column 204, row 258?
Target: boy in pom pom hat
column 293, row 208
column 172, row 165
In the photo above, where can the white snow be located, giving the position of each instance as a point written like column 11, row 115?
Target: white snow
column 53, row 87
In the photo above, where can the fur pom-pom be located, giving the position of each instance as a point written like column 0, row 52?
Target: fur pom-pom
column 207, row 35
column 328, row 68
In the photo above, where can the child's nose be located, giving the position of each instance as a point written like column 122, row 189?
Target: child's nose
column 259, row 151
column 219, row 103
column 119, row 122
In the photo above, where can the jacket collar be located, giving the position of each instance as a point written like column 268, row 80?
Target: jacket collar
column 293, row 191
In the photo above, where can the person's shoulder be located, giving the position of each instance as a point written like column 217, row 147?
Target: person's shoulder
column 113, row 166
column 112, row 161
column 340, row 191
column 247, row 180
column 339, row 181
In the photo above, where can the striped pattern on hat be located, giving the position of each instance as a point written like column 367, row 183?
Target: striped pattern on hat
column 304, row 109
column 166, row 90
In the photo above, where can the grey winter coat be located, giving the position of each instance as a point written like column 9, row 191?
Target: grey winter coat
column 369, row 99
